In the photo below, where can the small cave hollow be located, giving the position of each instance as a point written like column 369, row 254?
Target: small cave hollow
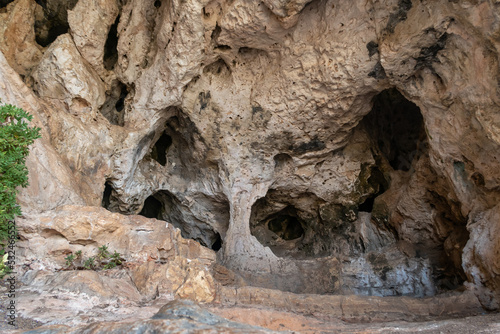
column 152, row 208
column 114, row 105
column 279, row 227
column 52, row 21
column 120, row 104
column 163, row 205
column 378, row 182
column 217, row 245
column 160, row 149
column 106, row 196
column 110, row 47
column 287, row 227
column 397, row 127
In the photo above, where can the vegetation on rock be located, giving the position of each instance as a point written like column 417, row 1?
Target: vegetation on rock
column 15, row 138
column 102, row 261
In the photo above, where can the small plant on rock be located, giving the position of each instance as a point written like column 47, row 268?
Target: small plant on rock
column 69, row 260
column 102, row 261
column 103, row 252
column 89, row 263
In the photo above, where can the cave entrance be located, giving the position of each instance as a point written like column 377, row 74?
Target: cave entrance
column 160, row 149
column 397, row 126
column 286, row 226
column 106, row 196
column 53, row 22
column 152, row 208
column 111, row 46
column 279, row 224
column 163, row 205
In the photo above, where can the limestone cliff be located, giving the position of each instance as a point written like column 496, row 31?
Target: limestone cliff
column 324, row 146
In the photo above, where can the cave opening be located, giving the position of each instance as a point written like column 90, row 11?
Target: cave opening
column 111, row 46
column 152, row 208
column 217, row 245
column 115, row 103
column 378, row 182
column 53, row 22
column 286, row 226
column 164, row 205
column 120, row 104
column 397, row 127
column 106, row 196
column 160, row 149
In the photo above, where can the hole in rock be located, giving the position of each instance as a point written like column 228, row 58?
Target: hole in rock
column 160, row 149
column 115, row 104
column 4, row 3
column 286, row 227
column 397, row 126
column 157, row 4
column 152, row 208
column 110, row 48
column 120, row 104
column 379, row 184
column 219, row 67
column 52, row 20
column 164, row 205
column 217, row 243
column 106, row 196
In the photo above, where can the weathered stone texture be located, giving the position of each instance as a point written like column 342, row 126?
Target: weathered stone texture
column 318, row 146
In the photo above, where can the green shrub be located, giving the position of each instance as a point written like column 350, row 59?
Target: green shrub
column 15, row 138
column 102, row 261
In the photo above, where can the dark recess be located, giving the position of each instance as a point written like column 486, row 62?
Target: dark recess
column 215, row 33
column 287, row 227
column 397, row 126
column 106, row 197
column 204, row 99
column 157, row 4
column 286, row 224
column 217, row 243
column 428, row 55
column 120, row 104
column 54, row 21
column 160, row 149
column 313, row 145
column 110, row 48
column 372, row 48
column 378, row 182
column 4, row 3
column 152, row 208
column 398, row 16
column 378, row 71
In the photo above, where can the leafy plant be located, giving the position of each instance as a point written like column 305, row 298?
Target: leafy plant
column 69, row 260
column 15, row 138
column 89, row 263
column 103, row 252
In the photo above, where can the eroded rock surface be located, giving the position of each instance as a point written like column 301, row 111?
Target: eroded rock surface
column 316, row 146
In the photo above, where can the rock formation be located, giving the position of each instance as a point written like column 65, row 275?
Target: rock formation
column 320, row 146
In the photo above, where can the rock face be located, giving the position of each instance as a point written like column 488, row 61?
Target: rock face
column 318, row 146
